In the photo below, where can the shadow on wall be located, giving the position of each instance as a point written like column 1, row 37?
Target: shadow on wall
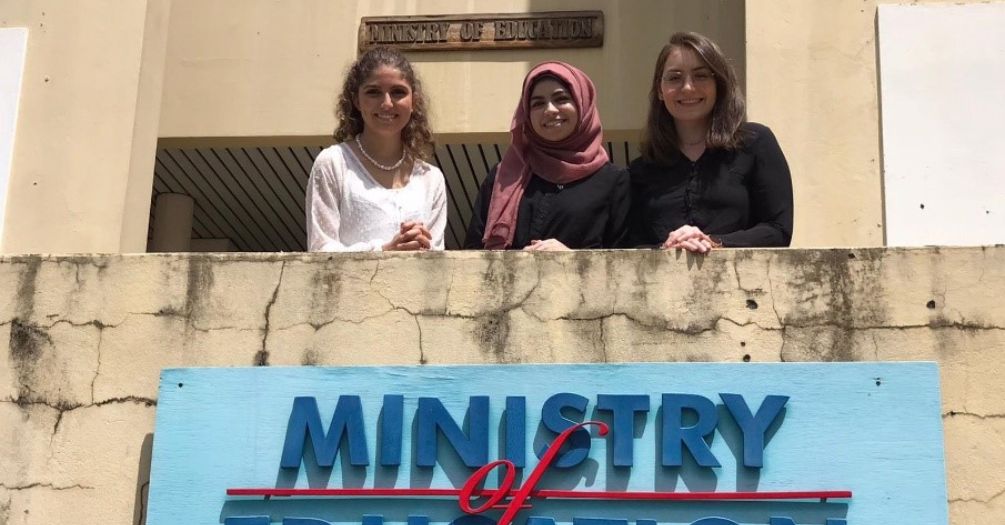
column 143, row 480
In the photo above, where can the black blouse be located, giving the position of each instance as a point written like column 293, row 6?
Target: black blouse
column 589, row 213
column 740, row 198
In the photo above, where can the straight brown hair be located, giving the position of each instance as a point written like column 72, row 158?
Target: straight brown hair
column 659, row 139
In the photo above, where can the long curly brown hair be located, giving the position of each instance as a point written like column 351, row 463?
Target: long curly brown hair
column 659, row 140
column 416, row 136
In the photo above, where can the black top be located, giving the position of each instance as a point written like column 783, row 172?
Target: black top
column 589, row 213
column 740, row 198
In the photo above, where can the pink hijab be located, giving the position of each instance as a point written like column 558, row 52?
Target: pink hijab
column 577, row 157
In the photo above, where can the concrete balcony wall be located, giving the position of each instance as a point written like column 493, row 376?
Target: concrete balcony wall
column 88, row 336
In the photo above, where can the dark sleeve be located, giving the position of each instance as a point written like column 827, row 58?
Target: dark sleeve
column 636, row 236
column 770, row 190
column 480, row 213
column 616, row 231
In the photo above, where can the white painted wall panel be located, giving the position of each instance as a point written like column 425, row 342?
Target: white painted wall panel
column 13, row 43
column 942, row 86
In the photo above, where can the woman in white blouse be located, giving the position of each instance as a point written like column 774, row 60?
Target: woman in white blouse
column 372, row 191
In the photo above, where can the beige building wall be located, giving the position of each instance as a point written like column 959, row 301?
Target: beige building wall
column 254, row 68
column 82, row 167
column 103, row 79
column 812, row 76
column 88, row 337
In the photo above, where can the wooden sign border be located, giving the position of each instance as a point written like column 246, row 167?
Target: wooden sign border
column 478, row 31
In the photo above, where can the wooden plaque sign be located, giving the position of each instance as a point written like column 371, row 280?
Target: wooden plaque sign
column 555, row 29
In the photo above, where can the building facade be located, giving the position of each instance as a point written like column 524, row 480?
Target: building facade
column 106, row 105
column 110, row 94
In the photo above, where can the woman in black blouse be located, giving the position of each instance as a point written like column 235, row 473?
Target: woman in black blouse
column 706, row 177
column 555, row 188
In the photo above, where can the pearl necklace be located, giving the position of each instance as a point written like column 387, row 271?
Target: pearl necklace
column 384, row 167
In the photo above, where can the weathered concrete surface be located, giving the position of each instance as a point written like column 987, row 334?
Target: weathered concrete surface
column 88, row 336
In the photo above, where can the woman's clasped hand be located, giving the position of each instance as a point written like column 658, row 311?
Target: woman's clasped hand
column 412, row 235
column 547, row 245
column 689, row 238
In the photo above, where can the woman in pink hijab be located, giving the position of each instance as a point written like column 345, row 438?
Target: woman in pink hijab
column 555, row 188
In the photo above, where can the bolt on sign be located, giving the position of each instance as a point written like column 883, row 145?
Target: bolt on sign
column 553, row 29
column 611, row 444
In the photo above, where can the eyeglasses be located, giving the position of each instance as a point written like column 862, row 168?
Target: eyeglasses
column 676, row 79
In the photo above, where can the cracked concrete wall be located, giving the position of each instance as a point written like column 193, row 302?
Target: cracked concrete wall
column 88, row 335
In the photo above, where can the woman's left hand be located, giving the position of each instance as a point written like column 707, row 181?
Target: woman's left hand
column 689, row 238
column 547, row 245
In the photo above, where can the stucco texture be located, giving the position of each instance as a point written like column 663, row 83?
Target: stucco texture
column 88, row 337
column 813, row 76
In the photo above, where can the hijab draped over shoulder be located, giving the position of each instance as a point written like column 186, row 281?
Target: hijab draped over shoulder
column 576, row 157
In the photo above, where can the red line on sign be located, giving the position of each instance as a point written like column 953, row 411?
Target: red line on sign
column 553, row 494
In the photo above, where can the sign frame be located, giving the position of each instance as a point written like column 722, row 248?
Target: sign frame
column 539, row 30
column 874, row 429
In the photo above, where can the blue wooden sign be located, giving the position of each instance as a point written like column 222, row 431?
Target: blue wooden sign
column 689, row 444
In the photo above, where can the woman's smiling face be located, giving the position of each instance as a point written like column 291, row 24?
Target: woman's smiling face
column 688, row 87
column 385, row 101
column 553, row 112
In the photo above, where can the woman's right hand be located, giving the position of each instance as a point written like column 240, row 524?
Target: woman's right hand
column 689, row 238
column 547, row 245
column 412, row 235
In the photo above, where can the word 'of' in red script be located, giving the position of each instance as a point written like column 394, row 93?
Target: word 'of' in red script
column 521, row 493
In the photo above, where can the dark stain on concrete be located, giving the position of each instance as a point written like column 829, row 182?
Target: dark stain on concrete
column 946, row 343
column 326, row 291
column 26, row 340
column 584, row 261
column 500, row 275
column 100, row 262
column 310, row 358
column 968, row 326
column 842, row 347
column 849, row 285
column 26, row 283
column 437, row 276
column 639, row 290
column 709, row 282
column 742, row 258
column 27, row 346
column 200, row 284
column 78, row 262
column 597, row 303
column 5, row 511
column 493, row 332
column 698, row 358
column 169, row 311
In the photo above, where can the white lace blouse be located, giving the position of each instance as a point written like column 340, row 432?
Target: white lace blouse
column 347, row 210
